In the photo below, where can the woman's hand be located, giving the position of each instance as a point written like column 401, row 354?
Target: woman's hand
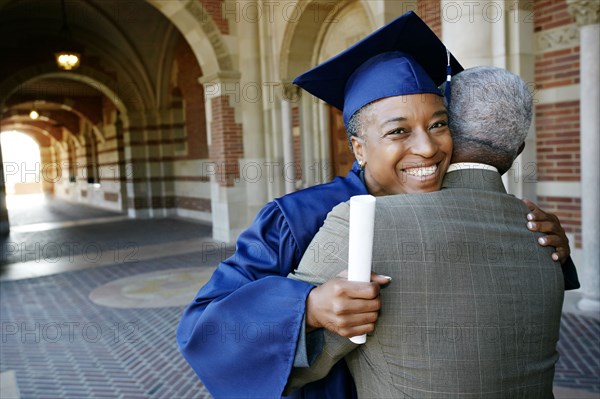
column 548, row 223
column 347, row 308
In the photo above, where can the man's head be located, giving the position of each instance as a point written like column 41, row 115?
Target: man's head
column 490, row 115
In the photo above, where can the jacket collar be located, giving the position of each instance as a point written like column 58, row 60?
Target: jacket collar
column 477, row 177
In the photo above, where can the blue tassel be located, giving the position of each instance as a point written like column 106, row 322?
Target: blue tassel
column 448, row 79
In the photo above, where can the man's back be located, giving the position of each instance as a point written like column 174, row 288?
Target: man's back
column 475, row 303
column 474, row 306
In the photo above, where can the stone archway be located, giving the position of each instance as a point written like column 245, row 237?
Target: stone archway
column 82, row 186
column 206, row 31
column 21, row 153
column 19, row 168
column 339, row 24
column 353, row 24
column 124, row 100
column 143, row 121
column 201, row 32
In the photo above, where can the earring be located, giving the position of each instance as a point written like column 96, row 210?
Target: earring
column 361, row 164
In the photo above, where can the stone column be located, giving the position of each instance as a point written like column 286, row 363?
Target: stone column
column 4, row 224
column 226, row 148
column 325, row 161
column 521, row 179
column 470, row 30
column 307, row 142
column 252, row 164
column 586, row 13
column 172, row 122
column 46, row 159
column 139, row 195
column 153, row 133
column 320, row 169
column 120, row 171
column 383, row 12
column 274, row 164
column 289, row 168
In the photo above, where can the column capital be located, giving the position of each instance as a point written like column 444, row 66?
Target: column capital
column 221, row 77
column 220, row 84
column 586, row 12
column 291, row 92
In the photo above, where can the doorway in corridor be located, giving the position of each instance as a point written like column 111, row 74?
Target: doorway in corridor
column 341, row 155
column 22, row 164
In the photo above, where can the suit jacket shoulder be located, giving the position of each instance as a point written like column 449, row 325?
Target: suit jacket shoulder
column 471, row 287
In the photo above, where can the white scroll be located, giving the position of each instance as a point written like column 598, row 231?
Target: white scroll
column 360, row 245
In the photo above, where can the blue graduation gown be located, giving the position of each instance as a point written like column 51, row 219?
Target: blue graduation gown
column 240, row 333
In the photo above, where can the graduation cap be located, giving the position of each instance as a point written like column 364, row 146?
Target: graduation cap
column 403, row 57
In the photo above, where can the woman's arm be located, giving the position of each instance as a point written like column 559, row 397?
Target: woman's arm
column 240, row 333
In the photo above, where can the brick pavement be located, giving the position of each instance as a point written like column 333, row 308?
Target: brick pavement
column 60, row 344
column 579, row 347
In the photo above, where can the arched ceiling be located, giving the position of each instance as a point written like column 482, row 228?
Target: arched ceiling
column 122, row 40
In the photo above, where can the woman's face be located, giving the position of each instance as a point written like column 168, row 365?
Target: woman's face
column 406, row 144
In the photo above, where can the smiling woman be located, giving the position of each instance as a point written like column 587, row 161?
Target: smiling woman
column 21, row 162
column 405, row 146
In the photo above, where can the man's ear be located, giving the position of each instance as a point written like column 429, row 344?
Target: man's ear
column 358, row 148
column 520, row 150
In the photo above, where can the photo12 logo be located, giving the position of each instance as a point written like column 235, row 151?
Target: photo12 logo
column 52, row 252
column 68, row 331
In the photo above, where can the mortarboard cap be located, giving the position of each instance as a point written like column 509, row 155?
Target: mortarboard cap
column 403, row 57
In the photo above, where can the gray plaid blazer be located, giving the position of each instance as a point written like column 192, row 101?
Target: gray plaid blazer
column 473, row 310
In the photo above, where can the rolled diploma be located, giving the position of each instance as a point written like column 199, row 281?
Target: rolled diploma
column 360, row 244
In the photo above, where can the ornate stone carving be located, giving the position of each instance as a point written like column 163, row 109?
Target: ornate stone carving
column 291, row 92
column 557, row 38
column 586, row 12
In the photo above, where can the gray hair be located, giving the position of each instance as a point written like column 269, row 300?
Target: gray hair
column 490, row 113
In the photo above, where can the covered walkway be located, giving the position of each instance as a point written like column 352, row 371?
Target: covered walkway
column 90, row 301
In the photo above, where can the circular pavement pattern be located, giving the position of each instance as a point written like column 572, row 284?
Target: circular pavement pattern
column 160, row 289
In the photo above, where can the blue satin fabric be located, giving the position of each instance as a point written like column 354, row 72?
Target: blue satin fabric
column 240, row 333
